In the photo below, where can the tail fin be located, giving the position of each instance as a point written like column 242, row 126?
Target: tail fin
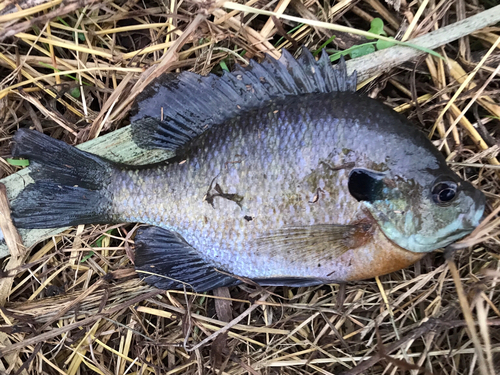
column 70, row 184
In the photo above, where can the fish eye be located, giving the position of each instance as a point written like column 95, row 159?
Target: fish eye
column 444, row 193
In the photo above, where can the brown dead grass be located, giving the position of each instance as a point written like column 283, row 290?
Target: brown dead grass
column 75, row 305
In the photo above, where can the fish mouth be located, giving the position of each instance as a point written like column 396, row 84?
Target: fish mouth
column 443, row 241
column 469, row 222
column 418, row 243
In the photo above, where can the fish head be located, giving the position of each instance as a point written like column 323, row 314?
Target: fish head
column 419, row 214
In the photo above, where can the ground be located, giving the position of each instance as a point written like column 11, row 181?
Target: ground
column 73, row 303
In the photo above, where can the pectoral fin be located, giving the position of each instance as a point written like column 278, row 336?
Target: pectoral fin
column 316, row 242
column 164, row 259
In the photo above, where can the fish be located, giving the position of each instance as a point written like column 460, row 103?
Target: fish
column 282, row 175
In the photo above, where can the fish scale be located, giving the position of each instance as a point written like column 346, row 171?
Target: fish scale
column 298, row 182
column 274, row 158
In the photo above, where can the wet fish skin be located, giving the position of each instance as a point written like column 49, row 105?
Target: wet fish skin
column 276, row 160
column 296, row 181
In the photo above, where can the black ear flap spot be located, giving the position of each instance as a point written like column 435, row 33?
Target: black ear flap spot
column 366, row 185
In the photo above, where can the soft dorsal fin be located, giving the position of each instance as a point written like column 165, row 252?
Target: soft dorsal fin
column 176, row 108
column 164, row 259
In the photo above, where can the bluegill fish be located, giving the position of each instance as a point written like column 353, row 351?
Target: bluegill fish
column 282, row 174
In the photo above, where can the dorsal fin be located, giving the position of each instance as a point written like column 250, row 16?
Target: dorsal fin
column 176, row 108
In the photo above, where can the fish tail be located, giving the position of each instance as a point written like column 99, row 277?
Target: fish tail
column 70, row 185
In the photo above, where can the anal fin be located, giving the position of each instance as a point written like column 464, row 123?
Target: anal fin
column 165, row 260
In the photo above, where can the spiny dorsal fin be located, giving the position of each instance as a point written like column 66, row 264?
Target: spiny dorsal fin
column 174, row 109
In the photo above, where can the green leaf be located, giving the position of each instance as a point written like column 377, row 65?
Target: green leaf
column 65, row 75
column 223, row 65
column 289, row 32
column 56, row 70
column 98, row 242
column 62, row 21
column 376, row 27
column 316, row 53
column 335, row 56
column 362, row 50
column 103, row 241
column 18, row 162
column 494, row 117
column 348, row 51
column 383, row 44
column 75, row 92
column 87, row 257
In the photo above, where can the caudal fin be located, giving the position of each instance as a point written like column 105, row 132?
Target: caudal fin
column 70, row 184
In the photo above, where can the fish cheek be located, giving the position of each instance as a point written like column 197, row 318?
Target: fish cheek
column 393, row 203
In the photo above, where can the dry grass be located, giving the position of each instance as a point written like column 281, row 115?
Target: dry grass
column 74, row 304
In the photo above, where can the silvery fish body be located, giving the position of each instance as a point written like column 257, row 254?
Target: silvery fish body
column 279, row 184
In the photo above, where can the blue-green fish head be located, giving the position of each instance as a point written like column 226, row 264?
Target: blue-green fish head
column 420, row 217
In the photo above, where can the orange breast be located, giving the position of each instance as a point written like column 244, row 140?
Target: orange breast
column 377, row 256
column 371, row 254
